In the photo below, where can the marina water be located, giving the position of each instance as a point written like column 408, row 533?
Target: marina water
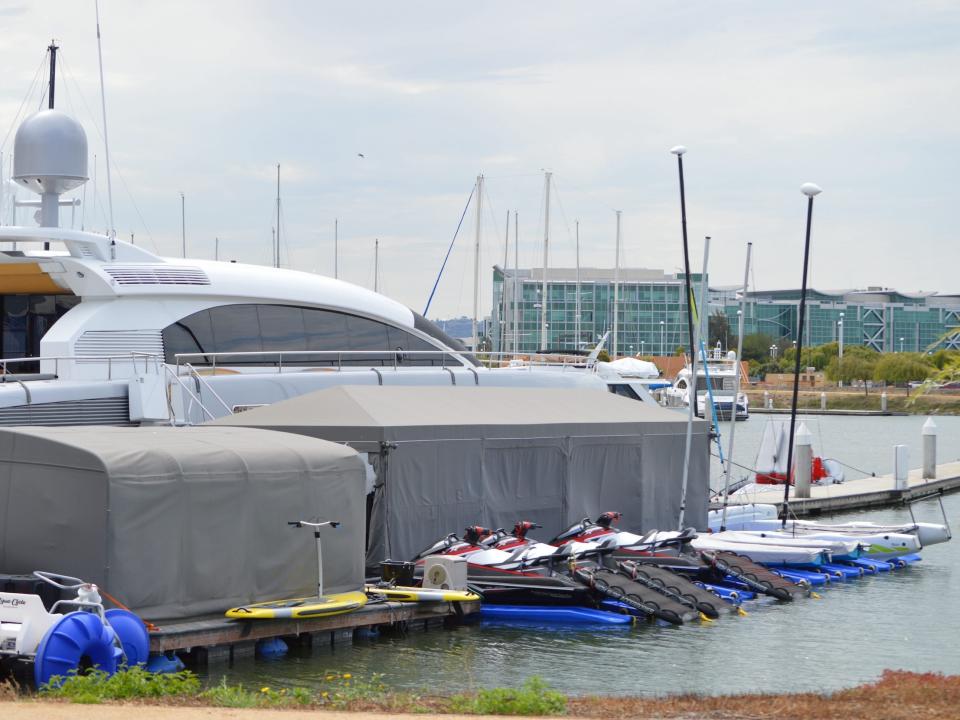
column 903, row 620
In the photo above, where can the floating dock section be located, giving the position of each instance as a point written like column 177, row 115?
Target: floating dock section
column 860, row 494
column 218, row 639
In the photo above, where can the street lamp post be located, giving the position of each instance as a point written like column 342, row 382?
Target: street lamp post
column 840, row 341
column 644, row 341
column 810, row 191
column 663, row 338
column 901, row 344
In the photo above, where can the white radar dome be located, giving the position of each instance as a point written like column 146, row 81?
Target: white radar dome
column 50, row 153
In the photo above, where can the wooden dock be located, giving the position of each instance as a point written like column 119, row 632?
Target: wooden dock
column 217, row 638
column 860, row 494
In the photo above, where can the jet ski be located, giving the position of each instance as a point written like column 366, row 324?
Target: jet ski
column 515, row 576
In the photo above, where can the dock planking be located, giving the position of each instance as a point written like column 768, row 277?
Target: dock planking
column 870, row 492
column 211, row 633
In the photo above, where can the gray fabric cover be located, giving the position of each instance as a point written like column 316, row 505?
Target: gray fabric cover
column 179, row 522
column 492, row 456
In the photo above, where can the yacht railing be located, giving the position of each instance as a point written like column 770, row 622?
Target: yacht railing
column 335, row 359
column 59, row 359
column 391, row 359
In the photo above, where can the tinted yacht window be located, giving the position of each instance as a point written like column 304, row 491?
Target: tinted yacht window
column 276, row 328
column 325, row 331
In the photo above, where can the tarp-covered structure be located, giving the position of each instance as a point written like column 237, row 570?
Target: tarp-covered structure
column 449, row 457
column 180, row 522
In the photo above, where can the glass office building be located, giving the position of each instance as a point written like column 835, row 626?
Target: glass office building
column 651, row 316
column 880, row 318
column 652, row 313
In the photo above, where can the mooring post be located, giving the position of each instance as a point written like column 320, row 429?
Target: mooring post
column 883, row 401
column 803, row 445
column 901, row 466
column 929, row 434
column 823, row 401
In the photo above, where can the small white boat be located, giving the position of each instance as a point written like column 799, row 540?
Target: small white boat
column 768, row 554
column 845, row 548
column 764, row 517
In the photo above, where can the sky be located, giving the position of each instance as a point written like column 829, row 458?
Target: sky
column 382, row 114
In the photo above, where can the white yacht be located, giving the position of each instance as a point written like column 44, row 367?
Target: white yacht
column 716, row 376
column 100, row 331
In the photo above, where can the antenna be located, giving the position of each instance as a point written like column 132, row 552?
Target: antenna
column 103, row 106
column 53, row 72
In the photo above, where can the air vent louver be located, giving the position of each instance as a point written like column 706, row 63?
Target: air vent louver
column 156, row 275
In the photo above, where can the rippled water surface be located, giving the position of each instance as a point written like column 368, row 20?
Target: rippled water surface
column 904, row 620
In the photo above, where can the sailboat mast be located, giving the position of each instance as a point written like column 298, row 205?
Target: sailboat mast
column 736, row 388
column 476, row 265
column 616, row 290
column 376, row 265
column 679, row 151
column 276, row 255
column 576, row 317
column 336, row 254
column 103, row 108
column 516, row 281
column 503, row 290
column 544, row 340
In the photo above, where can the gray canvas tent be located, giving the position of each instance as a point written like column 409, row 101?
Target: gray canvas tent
column 449, row 457
column 179, row 522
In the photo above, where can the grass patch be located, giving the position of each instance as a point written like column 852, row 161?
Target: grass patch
column 237, row 696
column 535, row 697
column 95, row 686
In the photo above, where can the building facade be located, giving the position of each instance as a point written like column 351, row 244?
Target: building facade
column 882, row 319
column 651, row 316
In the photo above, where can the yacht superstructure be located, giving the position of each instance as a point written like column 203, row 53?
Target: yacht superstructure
column 98, row 330
column 716, row 377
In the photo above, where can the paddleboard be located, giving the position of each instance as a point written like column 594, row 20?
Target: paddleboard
column 300, row 608
column 398, row 593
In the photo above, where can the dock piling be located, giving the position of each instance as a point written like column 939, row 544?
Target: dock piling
column 901, row 466
column 804, row 454
column 823, row 401
column 883, row 401
column 929, row 434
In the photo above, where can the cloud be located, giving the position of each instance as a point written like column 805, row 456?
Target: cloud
column 208, row 97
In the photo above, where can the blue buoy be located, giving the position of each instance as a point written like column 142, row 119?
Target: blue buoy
column 272, row 647
column 132, row 633
column 843, row 571
column 560, row 614
column 731, row 595
column 814, row 578
column 876, row 565
column 168, row 663
column 73, row 638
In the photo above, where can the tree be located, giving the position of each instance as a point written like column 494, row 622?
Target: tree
column 718, row 330
column 603, row 356
column 853, row 367
column 896, row 368
column 757, row 347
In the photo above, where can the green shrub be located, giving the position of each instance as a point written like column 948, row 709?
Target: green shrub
column 534, row 698
column 95, row 686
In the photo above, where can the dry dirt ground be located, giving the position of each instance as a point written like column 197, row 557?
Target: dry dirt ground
column 896, row 695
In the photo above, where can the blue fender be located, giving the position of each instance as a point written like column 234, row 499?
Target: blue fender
column 73, row 637
column 132, row 633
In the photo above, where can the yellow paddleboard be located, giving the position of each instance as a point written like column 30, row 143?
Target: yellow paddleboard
column 399, row 593
column 300, row 608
